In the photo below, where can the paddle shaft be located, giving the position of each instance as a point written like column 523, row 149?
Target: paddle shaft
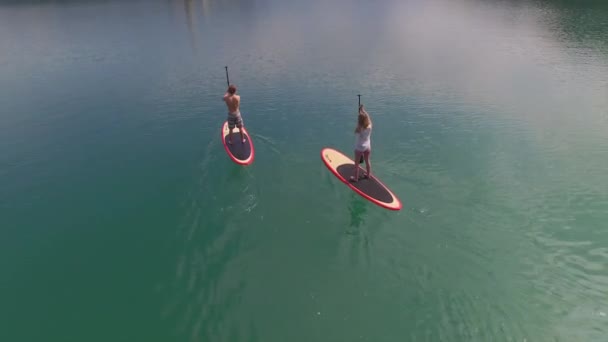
column 227, row 79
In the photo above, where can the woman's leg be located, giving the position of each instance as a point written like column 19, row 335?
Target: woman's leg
column 356, row 165
column 368, row 165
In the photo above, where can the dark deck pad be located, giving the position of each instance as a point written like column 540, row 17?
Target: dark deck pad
column 369, row 186
column 238, row 149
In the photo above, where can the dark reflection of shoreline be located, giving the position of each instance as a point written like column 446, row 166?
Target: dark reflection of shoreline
column 205, row 7
column 570, row 21
column 190, row 22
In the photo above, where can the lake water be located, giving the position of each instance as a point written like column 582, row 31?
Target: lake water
column 123, row 219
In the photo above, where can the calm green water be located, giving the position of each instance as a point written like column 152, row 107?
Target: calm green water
column 122, row 218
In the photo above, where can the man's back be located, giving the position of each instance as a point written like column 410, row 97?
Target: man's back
column 234, row 119
column 233, row 102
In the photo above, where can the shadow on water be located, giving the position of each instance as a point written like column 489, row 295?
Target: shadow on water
column 238, row 172
column 357, row 209
column 356, row 247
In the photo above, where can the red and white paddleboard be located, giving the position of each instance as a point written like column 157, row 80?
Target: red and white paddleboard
column 369, row 188
column 240, row 153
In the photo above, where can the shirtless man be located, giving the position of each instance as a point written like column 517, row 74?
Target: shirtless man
column 233, row 102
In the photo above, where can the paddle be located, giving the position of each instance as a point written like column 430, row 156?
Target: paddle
column 359, row 95
column 227, row 79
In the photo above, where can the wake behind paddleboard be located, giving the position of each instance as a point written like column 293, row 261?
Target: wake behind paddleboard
column 369, row 188
column 240, row 153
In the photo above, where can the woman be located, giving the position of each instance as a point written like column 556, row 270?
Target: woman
column 363, row 143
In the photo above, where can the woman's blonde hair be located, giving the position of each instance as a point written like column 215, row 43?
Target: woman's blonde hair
column 363, row 120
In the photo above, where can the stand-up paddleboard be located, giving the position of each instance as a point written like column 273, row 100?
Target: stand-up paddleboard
column 240, row 153
column 369, row 188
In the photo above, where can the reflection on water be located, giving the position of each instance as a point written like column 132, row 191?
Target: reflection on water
column 189, row 21
column 357, row 209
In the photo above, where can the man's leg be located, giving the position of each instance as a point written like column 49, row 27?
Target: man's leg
column 240, row 126
column 231, row 128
